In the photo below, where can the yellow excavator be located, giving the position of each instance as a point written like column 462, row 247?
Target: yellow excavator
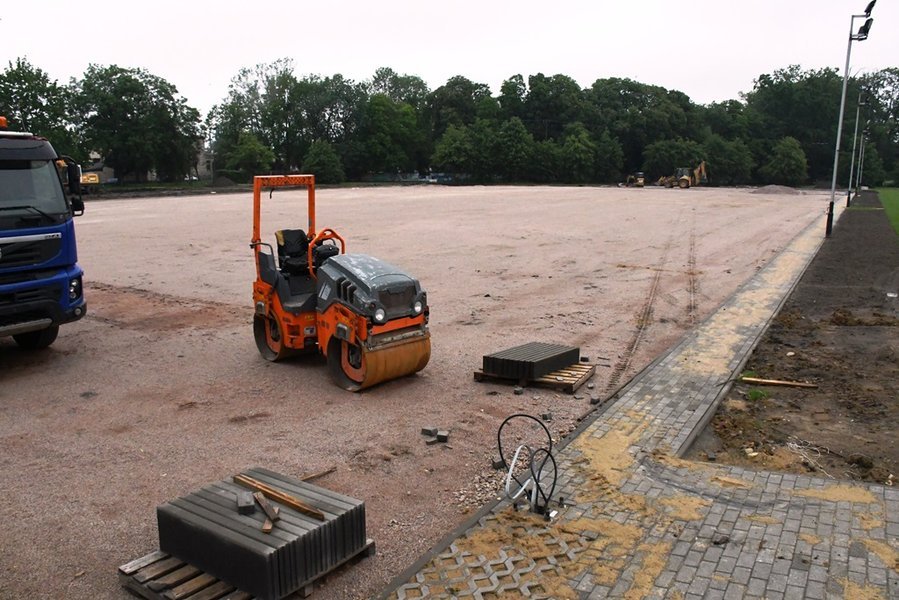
column 635, row 180
column 685, row 178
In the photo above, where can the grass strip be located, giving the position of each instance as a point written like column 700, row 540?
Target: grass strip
column 889, row 197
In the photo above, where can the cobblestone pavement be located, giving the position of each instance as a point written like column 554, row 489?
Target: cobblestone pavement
column 640, row 522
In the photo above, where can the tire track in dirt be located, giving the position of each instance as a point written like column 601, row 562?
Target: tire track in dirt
column 644, row 319
column 144, row 310
column 693, row 281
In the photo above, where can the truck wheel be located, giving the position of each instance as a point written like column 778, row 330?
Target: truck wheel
column 37, row 340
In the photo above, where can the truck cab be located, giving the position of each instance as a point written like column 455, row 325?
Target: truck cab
column 40, row 280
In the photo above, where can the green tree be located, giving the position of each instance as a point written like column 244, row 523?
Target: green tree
column 453, row 151
column 609, row 158
column 801, row 104
column 322, row 161
column 512, row 97
column 514, row 149
column 664, row 157
column 484, row 142
column 552, row 104
column 386, row 137
column 788, row 165
column 729, row 163
column 578, row 155
column 548, row 162
column 457, row 102
column 402, row 89
column 137, row 122
column 882, row 89
column 32, row 102
column 250, row 156
column 637, row 114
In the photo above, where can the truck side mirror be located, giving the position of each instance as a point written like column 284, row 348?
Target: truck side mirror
column 77, row 206
column 73, row 171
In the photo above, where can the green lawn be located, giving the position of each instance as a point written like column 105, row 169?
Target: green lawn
column 890, row 199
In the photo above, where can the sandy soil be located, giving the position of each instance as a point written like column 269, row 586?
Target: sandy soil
column 838, row 330
column 160, row 389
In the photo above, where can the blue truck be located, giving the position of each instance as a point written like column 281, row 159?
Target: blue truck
column 40, row 280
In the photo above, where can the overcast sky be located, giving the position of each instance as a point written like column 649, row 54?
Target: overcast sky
column 711, row 50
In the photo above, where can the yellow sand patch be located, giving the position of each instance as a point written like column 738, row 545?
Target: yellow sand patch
column 725, row 481
column 885, row 552
column 608, row 455
column 655, row 557
column 685, row 508
column 808, row 538
column 840, row 493
column 763, row 519
column 853, row 591
column 869, row 521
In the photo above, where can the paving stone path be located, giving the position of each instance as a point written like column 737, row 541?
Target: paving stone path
column 640, row 522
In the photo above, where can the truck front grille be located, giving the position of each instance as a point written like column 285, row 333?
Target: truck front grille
column 17, row 254
column 49, row 292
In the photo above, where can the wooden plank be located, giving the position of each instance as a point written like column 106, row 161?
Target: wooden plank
column 778, row 382
column 158, row 569
column 213, row 592
column 279, row 496
column 267, row 507
column 318, row 475
column 564, row 380
column 192, row 586
column 139, row 563
column 176, row 577
column 140, row 589
column 202, row 586
column 238, row 595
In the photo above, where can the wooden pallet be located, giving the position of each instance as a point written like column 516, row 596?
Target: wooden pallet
column 158, row 576
column 567, row 380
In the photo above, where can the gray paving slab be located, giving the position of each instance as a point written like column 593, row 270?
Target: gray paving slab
column 647, row 524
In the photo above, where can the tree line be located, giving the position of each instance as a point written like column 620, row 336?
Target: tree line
column 542, row 129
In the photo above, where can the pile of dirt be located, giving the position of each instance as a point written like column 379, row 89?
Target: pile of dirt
column 837, row 330
column 777, row 189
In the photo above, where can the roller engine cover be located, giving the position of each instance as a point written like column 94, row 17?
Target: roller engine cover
column 365, row 284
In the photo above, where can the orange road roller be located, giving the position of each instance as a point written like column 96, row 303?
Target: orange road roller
column 367, row 317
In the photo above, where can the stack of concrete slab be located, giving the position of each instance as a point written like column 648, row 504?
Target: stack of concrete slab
column 206, row 530
column 530, row 361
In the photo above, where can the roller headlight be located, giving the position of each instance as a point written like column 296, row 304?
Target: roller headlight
column 380, row 316
column 417, row 307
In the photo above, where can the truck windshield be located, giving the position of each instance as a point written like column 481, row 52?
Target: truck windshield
column 31, row 184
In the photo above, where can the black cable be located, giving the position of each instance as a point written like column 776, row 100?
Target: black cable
column 532, row 454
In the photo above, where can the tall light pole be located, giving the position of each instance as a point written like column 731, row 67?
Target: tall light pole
column 861, row 161
column 860, row 36
column 862, row 101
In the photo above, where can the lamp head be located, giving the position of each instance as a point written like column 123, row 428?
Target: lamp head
column 870, row 7
column 864, row 30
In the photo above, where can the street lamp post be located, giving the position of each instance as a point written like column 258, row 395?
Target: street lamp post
column 861, row 161
column 860, row 36
column 861, row 102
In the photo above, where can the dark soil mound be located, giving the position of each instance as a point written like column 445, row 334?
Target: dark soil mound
column 840, row 330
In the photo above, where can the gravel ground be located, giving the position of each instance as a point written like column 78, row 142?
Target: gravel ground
column 161, row 390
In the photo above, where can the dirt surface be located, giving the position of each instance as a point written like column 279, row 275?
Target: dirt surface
column 160, row 389
column 839, row 330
